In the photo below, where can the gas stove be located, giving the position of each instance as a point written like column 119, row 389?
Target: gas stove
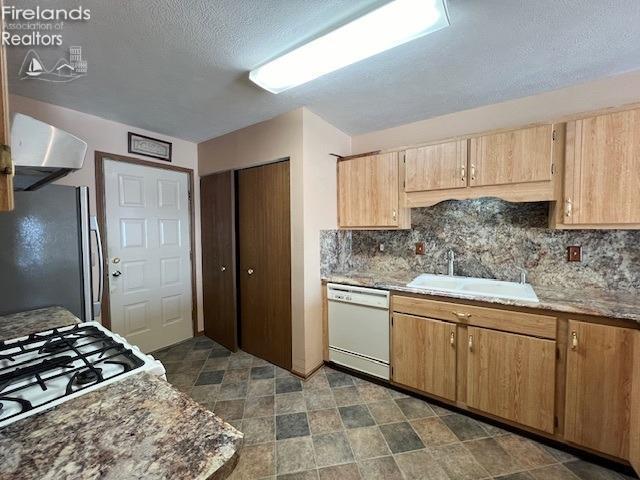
column 47, row 368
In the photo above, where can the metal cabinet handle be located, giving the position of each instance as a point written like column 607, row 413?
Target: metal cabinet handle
column 471, row 342
column 250, row 271
column 452, row 339
column 574, row 340
column 473, row 172
column 223, row 268
column 568, row 207
column 395, row 214
column 461, row 315
column 464, row 173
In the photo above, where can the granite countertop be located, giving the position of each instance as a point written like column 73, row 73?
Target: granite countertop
column 622, row 305
column 140, row 427
column 25, row 323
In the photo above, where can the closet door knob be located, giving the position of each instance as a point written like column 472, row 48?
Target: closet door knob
column 250, row 271
column 223, row 268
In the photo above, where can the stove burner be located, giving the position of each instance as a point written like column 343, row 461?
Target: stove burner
column 55, row 346
column 48, row 366
column 88, row 376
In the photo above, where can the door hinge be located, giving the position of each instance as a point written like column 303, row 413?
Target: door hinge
column 391, row 372
column 189, row 195
column 553, row 135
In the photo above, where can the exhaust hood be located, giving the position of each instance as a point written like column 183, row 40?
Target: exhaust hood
column 42, row 153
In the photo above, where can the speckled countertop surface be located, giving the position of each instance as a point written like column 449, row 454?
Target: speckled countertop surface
column 623, row 305
column 140, row 427
column 25, row 323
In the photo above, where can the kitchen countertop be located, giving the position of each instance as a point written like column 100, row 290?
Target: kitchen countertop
column 25, row 323
column 140, row 427
column 622, row 305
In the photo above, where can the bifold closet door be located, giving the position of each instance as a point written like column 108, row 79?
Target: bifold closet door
column 264, row 244
column 218, row 258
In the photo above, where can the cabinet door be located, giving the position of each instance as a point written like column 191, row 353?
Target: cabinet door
column 512, row 376
column 518, row 156
column 424, row 354
column 634, row 433
column 6, row 171
column 599, row 371
column 436, row 167
column 368, row 191
column 602, row 169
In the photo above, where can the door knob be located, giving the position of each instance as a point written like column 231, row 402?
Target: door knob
column 223, row 268
column 117, row 273
column 250, row 271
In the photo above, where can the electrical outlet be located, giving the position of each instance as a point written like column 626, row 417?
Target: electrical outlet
column 420, row 248
column 381, row 247
column 574, row 253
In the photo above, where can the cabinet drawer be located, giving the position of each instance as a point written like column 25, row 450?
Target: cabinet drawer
column 543, row 326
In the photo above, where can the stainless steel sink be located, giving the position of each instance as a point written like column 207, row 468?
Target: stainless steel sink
column 470, row 286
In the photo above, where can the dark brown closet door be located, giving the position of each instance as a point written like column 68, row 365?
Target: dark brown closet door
column 264, row 234
column 218, row 258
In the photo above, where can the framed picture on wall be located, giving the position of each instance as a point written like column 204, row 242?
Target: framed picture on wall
column 149, row 147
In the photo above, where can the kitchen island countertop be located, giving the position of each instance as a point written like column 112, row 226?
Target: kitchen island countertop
column 140, row 427
column 25, row 323
column 621, row 305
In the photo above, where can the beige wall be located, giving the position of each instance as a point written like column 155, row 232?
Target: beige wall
column 306, row 140
column 320, row 140
column 608, row 92
column 111, row 137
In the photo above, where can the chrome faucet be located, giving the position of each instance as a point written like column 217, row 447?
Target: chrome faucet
column 450, row 259
column 523, row 276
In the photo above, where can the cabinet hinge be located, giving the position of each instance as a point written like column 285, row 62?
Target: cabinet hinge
column 553, row 135
column 553, row 168
column 558, row 353
column 392, row 320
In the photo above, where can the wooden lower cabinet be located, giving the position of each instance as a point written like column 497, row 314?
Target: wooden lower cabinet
column 512, row 376
column 599, row 381
column 576, row 381
column 424, row 354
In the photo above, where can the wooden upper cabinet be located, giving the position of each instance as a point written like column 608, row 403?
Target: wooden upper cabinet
column 436, row 167
column 599, row 380
column 518, row 156
column 512, row 376
column 424, row 354
column 602, row 171
column 369, row 193
column 6, row 169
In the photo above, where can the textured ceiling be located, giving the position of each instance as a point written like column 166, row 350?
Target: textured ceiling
column 179, row 67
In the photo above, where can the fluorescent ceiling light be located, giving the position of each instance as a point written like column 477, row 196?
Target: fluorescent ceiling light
column 393, row 24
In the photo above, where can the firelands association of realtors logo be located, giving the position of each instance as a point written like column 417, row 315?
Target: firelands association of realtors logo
column 64, row 69
column 43, row 27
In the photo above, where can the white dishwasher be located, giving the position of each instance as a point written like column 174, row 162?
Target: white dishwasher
column 359, row 328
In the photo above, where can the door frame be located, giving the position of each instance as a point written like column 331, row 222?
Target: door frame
column 101, row 211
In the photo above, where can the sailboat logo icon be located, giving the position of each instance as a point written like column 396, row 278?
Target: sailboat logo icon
column 64, row 70
column 35, row 68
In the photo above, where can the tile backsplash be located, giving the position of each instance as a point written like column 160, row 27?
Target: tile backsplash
column 493, row 239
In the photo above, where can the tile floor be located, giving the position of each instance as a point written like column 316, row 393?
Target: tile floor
column 335, row 426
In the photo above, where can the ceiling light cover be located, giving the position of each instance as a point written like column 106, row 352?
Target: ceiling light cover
column 393, row 24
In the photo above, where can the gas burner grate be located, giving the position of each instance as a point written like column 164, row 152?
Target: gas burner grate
column 48, row 366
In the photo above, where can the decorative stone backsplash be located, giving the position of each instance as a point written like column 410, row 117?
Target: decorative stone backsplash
column 492, row 239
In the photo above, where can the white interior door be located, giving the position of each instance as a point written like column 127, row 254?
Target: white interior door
column 147, row 212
